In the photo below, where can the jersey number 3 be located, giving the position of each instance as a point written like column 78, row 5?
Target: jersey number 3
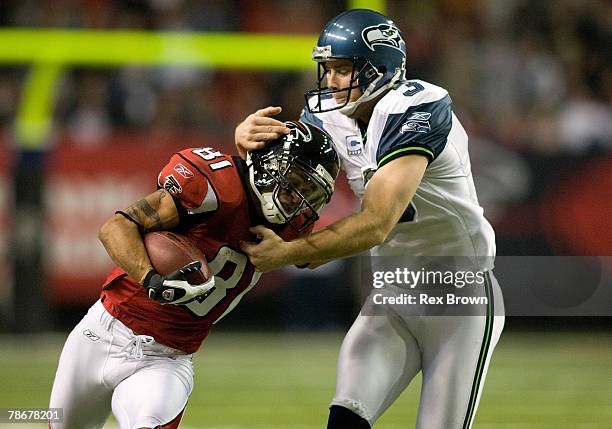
column 413, row 88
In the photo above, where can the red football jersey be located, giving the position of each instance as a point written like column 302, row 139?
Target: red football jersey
column 214, row 208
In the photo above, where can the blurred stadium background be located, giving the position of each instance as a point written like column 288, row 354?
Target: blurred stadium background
column 95, row 95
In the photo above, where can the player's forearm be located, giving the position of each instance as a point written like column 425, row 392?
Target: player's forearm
column 348, row 237
column 386, row 198
column 124, row 244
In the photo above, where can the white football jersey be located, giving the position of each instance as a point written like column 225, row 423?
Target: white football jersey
column 444, row 217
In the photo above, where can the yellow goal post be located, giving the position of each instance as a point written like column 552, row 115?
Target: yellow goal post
column 48, row 52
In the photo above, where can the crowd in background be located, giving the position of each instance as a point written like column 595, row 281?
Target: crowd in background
column 530, row 80
column 528, row 75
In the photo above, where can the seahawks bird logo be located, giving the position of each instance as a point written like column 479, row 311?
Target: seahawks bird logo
column 382, row 34
column 418, row 122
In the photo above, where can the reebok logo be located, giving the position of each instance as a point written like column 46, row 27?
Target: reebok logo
column 89, row 334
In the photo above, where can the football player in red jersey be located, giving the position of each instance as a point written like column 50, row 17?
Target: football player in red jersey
column 131, row 354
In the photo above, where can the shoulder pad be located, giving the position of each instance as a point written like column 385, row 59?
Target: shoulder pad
column 408, row 94
column 190, row 177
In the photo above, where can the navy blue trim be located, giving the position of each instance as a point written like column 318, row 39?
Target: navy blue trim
column 408, row 215
column 414, row 149
column 426, row 125
column 310, row 118
column 484, row 353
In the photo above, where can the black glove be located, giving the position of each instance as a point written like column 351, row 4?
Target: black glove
column 174, row 288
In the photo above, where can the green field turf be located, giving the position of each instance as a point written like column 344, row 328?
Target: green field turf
column 536, row 380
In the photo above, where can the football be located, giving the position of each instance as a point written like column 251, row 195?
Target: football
column 169, row 251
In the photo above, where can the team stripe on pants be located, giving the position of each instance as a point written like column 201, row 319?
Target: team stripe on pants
column 484, row 351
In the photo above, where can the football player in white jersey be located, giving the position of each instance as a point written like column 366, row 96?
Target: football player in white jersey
column 402, row 139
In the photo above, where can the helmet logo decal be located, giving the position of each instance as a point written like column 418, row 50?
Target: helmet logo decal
column 299, row 132
column 418, row 122
column 382, row 34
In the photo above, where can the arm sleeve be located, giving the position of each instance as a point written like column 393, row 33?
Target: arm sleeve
column 421, row 130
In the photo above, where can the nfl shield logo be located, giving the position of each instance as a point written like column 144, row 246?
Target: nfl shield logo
column 354, row 145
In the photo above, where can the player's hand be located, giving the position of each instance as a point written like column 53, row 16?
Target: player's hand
column 271, row 253
column 257, row 129
column 174, row 288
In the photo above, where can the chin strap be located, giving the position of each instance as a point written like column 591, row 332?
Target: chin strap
column 370, row 94
column 269, row 209
column 266, row 202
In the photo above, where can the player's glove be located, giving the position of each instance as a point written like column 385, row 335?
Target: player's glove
column 174, row 287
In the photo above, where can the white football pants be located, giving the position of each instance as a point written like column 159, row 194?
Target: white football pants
column 381, row 354
column 104, row 366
